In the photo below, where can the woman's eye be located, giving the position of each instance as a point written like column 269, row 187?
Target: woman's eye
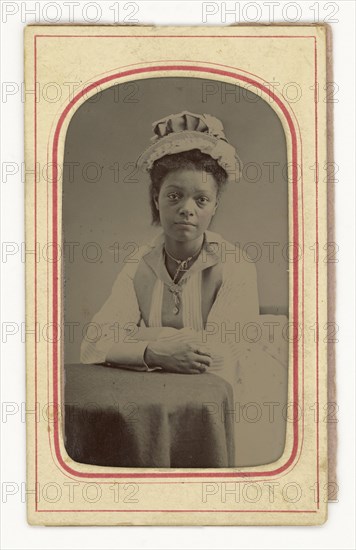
column 173, row 196
column 203, row 200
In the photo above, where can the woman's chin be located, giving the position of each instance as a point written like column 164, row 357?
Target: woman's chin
column 187, row 233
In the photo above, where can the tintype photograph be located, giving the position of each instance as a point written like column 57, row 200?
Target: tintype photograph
column 175, row 224
column 180, row 305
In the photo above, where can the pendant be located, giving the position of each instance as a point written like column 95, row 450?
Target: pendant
column 175, row 289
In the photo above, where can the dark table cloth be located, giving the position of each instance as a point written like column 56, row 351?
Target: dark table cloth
column 118, row 417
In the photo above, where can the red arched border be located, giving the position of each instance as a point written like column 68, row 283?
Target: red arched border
column 56, row 275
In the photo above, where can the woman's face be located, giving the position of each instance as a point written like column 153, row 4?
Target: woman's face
column 187, row 202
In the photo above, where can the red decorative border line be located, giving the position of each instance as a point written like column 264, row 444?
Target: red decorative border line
column 56, row 277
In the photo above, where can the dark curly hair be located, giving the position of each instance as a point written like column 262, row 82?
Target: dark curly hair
column 188, row 159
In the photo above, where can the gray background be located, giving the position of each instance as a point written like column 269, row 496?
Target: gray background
column 105, row 201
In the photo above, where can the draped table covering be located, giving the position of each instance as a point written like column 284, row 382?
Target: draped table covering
column 118, row 417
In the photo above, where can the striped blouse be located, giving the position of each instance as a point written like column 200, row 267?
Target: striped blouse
column 219, row 291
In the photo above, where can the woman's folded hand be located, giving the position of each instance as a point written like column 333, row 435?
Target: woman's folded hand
column 181, row 353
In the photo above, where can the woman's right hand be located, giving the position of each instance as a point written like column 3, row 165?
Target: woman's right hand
column 184, row 356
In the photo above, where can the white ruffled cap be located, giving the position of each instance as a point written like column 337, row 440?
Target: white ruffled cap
column 186, row 131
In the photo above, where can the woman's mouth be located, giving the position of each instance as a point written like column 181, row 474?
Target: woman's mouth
column 186, row 224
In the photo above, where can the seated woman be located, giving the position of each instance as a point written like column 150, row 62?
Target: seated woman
column 177, row 305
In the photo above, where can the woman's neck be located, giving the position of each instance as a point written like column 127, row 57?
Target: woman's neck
column 183, row 250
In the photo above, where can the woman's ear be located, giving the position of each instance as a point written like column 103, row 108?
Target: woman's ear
column 216, row 204
column 155, row 199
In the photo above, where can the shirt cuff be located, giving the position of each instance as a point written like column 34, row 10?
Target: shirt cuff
column 132, row 356
column 149, row 369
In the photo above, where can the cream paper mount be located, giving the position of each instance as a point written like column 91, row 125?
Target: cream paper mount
column 184, row 450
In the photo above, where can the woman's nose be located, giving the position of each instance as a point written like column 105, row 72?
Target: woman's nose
column 187, row 207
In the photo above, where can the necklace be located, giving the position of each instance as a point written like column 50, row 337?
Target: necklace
column 176, row 288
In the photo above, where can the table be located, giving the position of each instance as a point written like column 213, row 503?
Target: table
column 118, row 417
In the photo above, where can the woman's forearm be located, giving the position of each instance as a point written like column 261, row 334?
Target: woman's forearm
column 151, row 333
column 133, row 350
column 127, row 353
